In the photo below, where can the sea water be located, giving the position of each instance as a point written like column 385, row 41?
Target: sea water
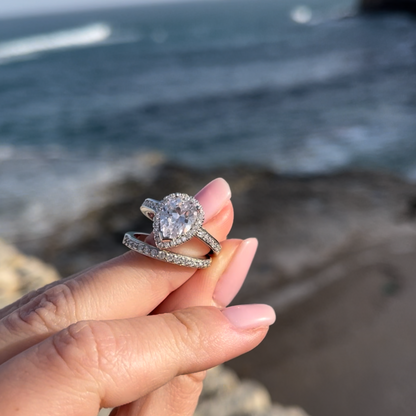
column 297, row 88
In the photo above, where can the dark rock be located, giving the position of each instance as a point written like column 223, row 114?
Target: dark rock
column 370, row 6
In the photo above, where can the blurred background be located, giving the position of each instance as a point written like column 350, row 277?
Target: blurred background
column 307, row 109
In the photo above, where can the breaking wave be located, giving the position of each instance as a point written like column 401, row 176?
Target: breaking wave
column 44, row 188
column 76, row 37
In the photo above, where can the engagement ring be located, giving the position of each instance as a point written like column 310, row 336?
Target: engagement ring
column 176, row 219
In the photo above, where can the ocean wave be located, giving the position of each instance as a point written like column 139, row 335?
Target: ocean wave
column 56, row 187
column 341, row 148
column 81, row 36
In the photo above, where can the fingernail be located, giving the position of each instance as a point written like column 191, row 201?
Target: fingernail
column 233, row 277
column 214, row 196
column 250, row 316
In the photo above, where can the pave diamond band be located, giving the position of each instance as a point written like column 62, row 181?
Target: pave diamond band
column 178, row 218
column 135, row 241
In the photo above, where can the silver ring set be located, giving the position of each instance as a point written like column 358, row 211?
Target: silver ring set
column 176, row 219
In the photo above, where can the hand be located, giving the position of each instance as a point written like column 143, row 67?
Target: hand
column 133, row 332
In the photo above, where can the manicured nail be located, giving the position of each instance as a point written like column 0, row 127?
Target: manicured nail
column 213, row 197
column 233, row 277
column 250, row 316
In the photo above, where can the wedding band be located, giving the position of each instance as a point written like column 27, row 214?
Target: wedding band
column 177, row 219
column 135, row 241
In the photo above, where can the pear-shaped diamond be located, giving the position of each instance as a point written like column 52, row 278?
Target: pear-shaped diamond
column 177, row 217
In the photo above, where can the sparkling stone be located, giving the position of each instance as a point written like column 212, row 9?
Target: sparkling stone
column 177, row 217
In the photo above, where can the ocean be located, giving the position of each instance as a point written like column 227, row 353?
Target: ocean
column 299, row 89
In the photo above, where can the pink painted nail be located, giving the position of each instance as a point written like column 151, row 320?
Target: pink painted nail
column 213, row 197
column 233, row 278
column 250, row 316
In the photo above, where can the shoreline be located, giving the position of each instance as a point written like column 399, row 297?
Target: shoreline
column 303, row 223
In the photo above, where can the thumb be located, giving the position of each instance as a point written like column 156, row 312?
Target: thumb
column 95, row 364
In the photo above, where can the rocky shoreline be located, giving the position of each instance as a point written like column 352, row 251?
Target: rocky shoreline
column 20, row 274
column 336, row 260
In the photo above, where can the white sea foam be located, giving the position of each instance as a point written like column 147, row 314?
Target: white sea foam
column 54, row 187
column 21, row 48
column 334, row 150
column 301, row 14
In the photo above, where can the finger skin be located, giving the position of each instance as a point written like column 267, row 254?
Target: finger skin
column 127, row 286
column 198, row 290
column 179, row 397
column 95, row 364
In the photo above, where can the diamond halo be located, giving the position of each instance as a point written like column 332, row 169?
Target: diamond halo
column 177, row 220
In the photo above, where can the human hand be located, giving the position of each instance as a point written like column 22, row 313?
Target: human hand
column 88, row 341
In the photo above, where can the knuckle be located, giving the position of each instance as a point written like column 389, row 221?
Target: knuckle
column 186, row 389
column 196, row 378
column 52, row 310
column 86, row 347
column 187, row 333
column 75, row 343
column 20, row 302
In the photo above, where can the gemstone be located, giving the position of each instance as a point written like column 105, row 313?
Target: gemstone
column 177, row 217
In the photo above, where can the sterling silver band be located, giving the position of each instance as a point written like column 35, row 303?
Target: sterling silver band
column 149, row 209
column 135, row 241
